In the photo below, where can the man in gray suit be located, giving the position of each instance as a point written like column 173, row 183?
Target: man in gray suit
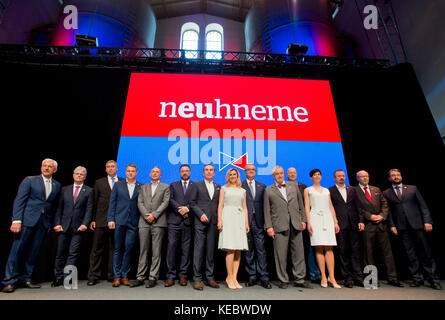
column 285, row 220
column 153, row 200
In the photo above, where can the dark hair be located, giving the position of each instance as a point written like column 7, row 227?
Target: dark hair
column 338, row 170
column 184, row 165
column 314, row 171
column 395, row 169
column 209, row 164
column 132, row 165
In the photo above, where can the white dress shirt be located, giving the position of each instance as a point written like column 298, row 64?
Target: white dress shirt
column 154, row 186
column 131, row 187
column 50, row 185
column 210, row 188
column 282, row 190
column 342, row 191
column 110, row 182
column 363, row 188
column 394, row 186
column 74, row 188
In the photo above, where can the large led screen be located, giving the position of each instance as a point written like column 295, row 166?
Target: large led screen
column 228, row 121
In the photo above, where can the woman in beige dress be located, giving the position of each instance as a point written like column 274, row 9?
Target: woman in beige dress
column 233, row 225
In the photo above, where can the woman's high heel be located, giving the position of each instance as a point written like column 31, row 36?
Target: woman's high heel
column 333, row 284
column 324, row 284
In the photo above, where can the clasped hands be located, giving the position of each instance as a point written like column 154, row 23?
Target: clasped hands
column 183, row 211
column 149, row 218
column 59, row 228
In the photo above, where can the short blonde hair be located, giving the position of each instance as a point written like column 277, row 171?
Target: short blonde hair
column 238, row 180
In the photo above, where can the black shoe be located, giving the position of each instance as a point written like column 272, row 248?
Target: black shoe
column 349, row 284
column 10, row 288
column 151, row 284
column 436, row 286
column 56, row 283
column 283, row 285
column 266, row 284
column 251, row 282
column 358, row 283
column 30, row 285
column 395, row 283
column 305, row 285
column 136, row 283
column 416, row 284
column 92, row 282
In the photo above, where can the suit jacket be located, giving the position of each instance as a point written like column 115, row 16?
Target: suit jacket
column 410, row 208
column 279, row 213
column 30, row 202
column 123, row 210
column 203, row 204
column 348, row 213
column 255, row 205
column 378, row 207
column 155, row 205
column 178, row 199
column 102, row 193
column 71, row 214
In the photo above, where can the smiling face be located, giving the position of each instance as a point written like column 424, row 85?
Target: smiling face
column 131, row 173
column 340, row 177
column 291, row 174
column 363, row 177
column 395, row 177
column 48, row 168
column 250, row 171
column 316, row 177
column 233, row 176
column 278, row 175
column 184, row 172
column 209, row 172
column 155, row 174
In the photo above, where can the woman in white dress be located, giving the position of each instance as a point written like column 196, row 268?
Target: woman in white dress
column 322, row 225
column 233, row 225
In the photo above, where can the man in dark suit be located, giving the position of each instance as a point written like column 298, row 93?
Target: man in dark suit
column 313, row 271
column 256, row 262
column 33, row 211
column 374, row 208
column 123, row 217
column 410, row 218
column 102, row 234
column 285, row 220
column 72, row 219
column 179, row 226
column 347, row 209
column 152, row 202
column 205, row 207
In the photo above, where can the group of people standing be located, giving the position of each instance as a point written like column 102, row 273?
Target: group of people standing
column 236, row 217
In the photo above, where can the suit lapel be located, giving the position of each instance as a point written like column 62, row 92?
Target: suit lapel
column 80, row 195
column 275, row 189
column 42, row 186
column 338, row 195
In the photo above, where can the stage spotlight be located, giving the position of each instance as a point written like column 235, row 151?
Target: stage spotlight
column 295, row 49
column 86, row 41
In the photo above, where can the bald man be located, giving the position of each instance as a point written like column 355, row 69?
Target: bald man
column 374, row 208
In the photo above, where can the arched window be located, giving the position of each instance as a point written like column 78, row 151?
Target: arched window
column 214, row 41
column 190, row 39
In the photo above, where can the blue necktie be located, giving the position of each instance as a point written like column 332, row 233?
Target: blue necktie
column 112, row 183
column 185, row 187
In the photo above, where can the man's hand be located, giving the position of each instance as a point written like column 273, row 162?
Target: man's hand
column 183, row 210
column 271, row 233
column 303, row 226
column 361, row 226
column 150, row 218
column 93, row 225
column 428, row 227
column 16, row 227
column 376, row 218
column 394, row 230
column 111, row 225
column 58, row 228
column 204, row 218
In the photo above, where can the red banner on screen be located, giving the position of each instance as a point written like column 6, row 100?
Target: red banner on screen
column 299, row 110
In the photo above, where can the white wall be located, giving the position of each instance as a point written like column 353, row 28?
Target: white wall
column 168, row 31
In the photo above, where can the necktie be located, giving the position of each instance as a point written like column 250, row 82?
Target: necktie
column 47, row 188
column 184, row 187
column 251, row 189
column 368, row 195
column 112, row 182
column 76, row 193
column 282, row 185
column 399, row 194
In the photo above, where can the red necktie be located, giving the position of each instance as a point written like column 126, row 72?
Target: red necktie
column 76, row 193
column 368, row 195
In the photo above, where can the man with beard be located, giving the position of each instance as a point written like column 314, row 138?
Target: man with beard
column 410, row 219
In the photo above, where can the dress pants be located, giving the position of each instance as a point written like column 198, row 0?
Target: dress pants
column 281, row 244
column 374, row 236
column 124, row 239
column 349, row 254
column 314, row 272
column 178, row 234
column 68, row 242
column 256, row 261
column 204, row 248
column 409, row 238
column 22, row 258
column 150, row 238
column 101, row 236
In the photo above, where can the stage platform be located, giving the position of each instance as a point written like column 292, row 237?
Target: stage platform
column 104, row 291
